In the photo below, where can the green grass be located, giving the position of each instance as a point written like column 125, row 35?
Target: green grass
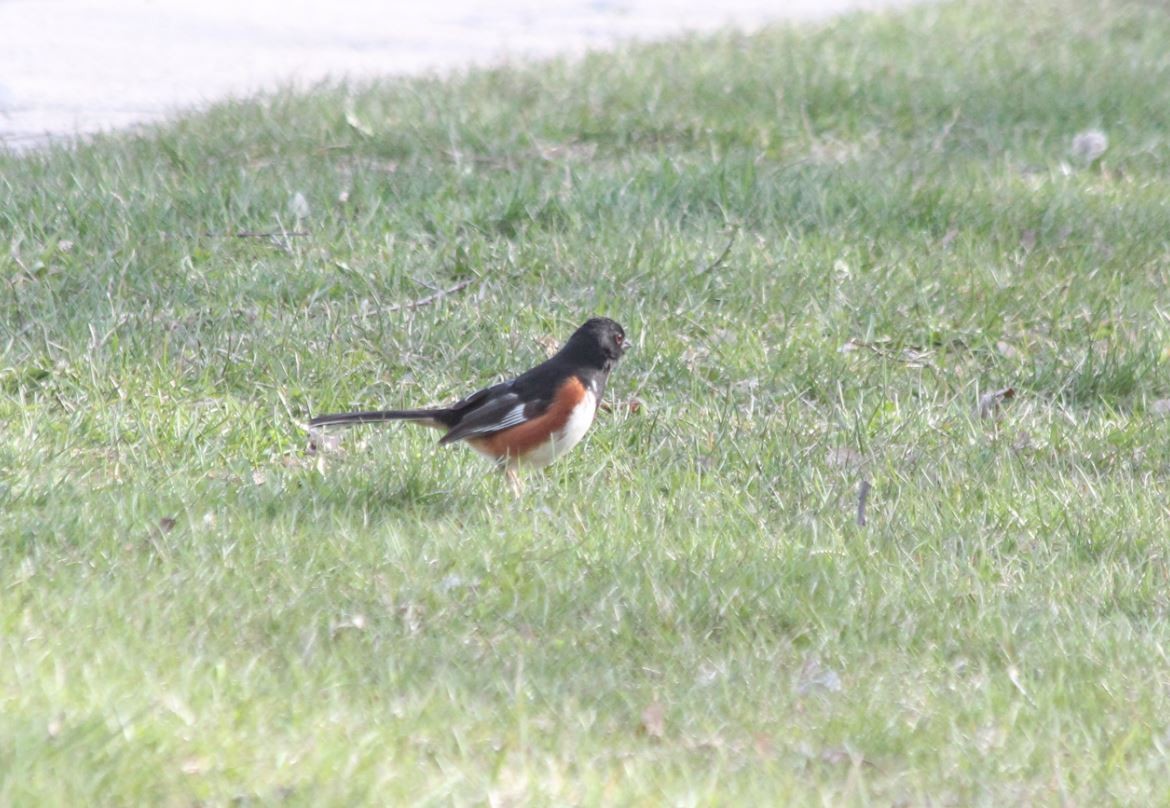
column 907, row 231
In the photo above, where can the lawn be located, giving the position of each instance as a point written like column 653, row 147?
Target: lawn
column 828, row 245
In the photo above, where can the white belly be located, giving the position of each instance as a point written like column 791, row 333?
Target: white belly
column 567, row 436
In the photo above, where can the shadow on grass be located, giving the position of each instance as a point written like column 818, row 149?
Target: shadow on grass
column 362, row 495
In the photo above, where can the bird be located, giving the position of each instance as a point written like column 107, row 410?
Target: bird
column 532, row 420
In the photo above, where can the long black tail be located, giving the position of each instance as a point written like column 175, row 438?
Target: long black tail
column 427, row 417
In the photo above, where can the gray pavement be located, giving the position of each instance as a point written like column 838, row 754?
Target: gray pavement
column 72, row 67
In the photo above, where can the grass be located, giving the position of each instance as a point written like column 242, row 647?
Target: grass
column 684, row 609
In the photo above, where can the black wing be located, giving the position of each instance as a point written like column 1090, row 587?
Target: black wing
column 492, row 410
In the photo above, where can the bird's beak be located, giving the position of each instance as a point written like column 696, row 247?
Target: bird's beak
column 626, row 344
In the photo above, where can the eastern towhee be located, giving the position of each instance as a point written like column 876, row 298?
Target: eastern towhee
column 531, row 420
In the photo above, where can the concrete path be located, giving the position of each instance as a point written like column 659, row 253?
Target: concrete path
column 70, row 67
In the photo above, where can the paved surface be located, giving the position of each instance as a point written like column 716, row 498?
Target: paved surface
column 71, row 67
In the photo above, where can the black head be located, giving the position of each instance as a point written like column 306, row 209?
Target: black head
column 600, row 337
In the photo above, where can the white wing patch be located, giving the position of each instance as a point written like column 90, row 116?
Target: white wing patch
column 512, row 417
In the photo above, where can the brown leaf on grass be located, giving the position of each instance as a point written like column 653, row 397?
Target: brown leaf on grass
column 878, row 345
column 886, row 348
column 862, row 499
column 948, row 237
column 844, row 458
column 817, row 677
column 564, row 152
column 836, row 755
column 1007, row 350
column 321, row 442
column 355, row 622
column 298, row 206
column 1161, row 407
column 193, row 766
column 1088, row 146
column 633, row 406
column 1014, row 677
column 989, row 402
column 549, row 344
column 357, row 124
column 154, row 536
column 915, row 358
column 259, row 476
column 412, row 615
column 1028, row 239
column 654, row 720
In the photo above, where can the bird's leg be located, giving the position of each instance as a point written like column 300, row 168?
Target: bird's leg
column 513, row 478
